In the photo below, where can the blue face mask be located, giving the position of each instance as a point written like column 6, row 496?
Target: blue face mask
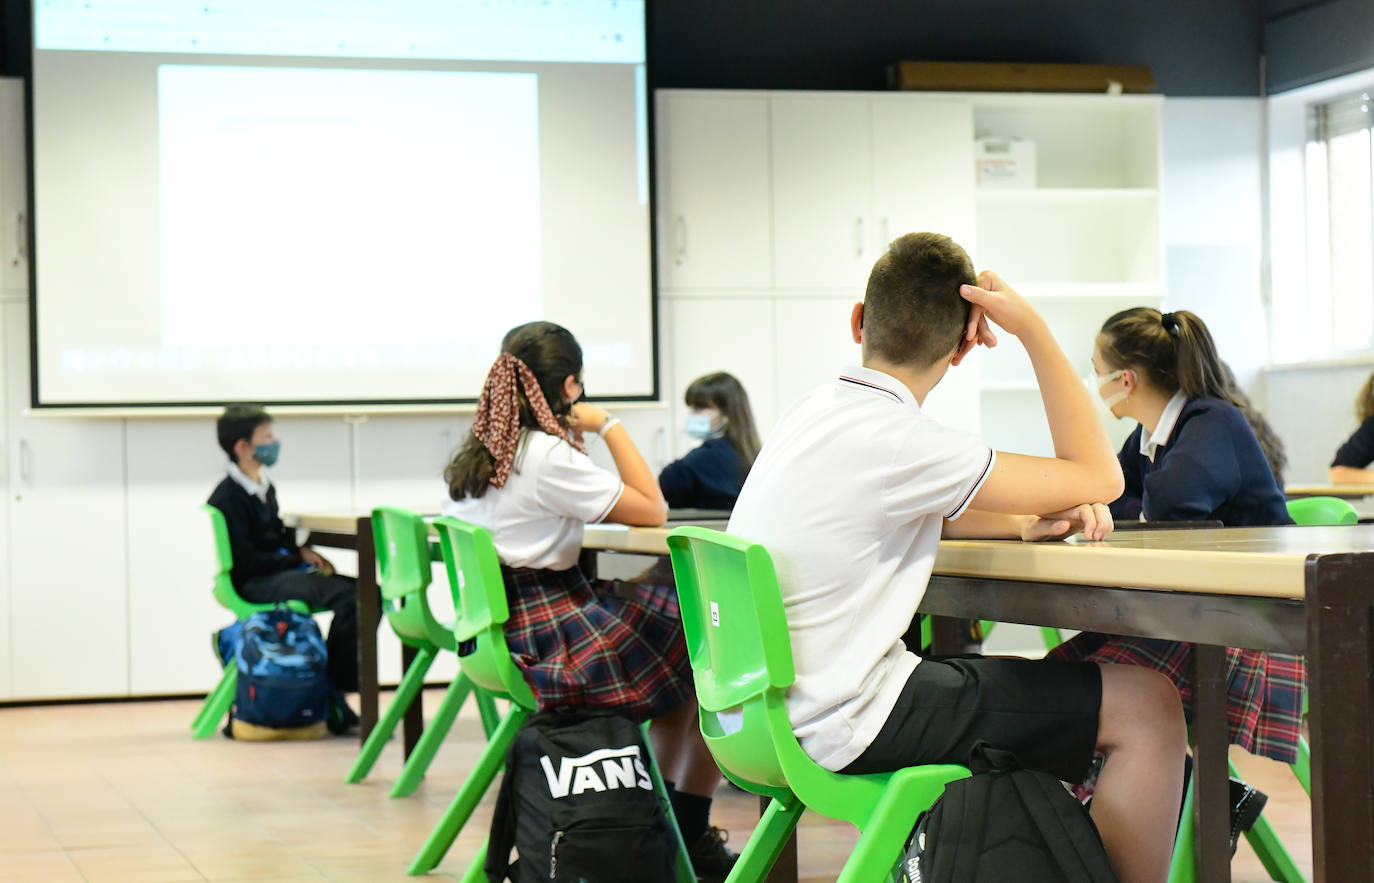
column 698, row 426
column 267, row 454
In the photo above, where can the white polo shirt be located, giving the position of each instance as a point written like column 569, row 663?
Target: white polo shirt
column 848, row 496
column 537, row 518
column 1164, row 428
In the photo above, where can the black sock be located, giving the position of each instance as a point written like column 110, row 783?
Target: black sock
column 693, row 813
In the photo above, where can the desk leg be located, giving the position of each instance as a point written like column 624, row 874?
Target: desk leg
column 369, row 617
column 785, row 868
column 1339, row 660
column 1210, row 745
column 414, row 724
column 949, row 636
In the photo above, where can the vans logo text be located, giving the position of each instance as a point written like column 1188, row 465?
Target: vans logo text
column 619, row 768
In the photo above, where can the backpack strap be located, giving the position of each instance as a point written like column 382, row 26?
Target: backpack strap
column 1064, row 835
column 501, row 840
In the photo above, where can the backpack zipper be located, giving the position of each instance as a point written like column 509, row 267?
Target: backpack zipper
column 553, row 855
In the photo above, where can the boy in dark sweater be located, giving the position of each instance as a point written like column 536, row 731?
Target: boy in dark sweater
column 268, row 564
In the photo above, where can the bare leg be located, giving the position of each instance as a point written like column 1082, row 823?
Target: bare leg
column 1136, row 804
column 683, row 757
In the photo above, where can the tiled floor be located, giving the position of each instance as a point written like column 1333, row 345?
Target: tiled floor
column 120, row 792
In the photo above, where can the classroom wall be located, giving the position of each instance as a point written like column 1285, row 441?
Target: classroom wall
column 1314, row 412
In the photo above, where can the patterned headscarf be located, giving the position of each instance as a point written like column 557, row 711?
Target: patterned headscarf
column 498, row 413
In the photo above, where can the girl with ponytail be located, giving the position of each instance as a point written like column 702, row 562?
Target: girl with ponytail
column 525, row 476
column 1200, row 453
column 1355, row 456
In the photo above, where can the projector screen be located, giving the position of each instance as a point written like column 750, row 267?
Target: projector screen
column 290, row 201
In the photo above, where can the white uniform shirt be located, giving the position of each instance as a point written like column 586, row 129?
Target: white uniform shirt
column 848, row 496
column 537, row 518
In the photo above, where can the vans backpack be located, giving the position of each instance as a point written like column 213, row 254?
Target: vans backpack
column 1004, row 824
column 578, row 805
column 283, row 682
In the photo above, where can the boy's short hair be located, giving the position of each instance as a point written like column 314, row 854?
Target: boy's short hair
column 913, row 314
column 238, row 422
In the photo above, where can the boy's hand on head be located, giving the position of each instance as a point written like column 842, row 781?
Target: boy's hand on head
column 1094, row 520
column 994, row 299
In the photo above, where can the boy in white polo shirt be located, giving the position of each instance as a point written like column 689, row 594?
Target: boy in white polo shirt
column 851, row 494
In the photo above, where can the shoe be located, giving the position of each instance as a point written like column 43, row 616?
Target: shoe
column 711, row 859
column 1246, row 805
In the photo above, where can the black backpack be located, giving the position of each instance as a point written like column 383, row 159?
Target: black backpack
column 578, row 805
column 1004, row 824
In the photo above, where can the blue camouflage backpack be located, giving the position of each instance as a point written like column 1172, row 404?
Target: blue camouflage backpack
column 283, row 681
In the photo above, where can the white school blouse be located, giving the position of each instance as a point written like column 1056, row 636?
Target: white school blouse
column 848, row 496
column 537, row 519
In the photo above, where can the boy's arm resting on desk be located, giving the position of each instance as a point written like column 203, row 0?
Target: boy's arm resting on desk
column 1093, row 519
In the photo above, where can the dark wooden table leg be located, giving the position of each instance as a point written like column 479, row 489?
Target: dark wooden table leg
column 413, row 726
column 1340, row 593
column 785, row 868
column 948, row 636
column 369, row 616
column 1210, row 745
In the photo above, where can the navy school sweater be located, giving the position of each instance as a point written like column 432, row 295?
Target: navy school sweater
column 261, row 544
column 1358, row 450
column 1212, row 469
column 708, row 477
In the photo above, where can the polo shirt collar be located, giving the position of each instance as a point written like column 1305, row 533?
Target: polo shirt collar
column 1165, row 427
column 880, row 384
column 241, row 478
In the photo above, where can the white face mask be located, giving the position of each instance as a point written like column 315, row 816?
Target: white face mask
column 699, row 425
column 1096, row 381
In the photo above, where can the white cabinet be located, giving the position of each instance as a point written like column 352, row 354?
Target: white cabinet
column 6, row 622
column 68, row 543
column 851, row 172
column 713, row 192
column 14, row 195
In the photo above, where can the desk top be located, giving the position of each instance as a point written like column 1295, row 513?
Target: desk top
column 1254, row 561
column 1344, row 491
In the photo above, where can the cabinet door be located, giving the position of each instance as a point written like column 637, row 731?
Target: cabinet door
column 6, row 675
column 716, row 335
column 14, row 231
column 813, row 343
column 923, row 173
column 822, row 191
column 712, row 154
column 68, row 562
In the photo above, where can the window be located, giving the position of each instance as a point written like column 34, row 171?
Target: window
column 1340, row 225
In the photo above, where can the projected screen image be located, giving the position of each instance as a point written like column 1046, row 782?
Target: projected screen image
column 245, row 202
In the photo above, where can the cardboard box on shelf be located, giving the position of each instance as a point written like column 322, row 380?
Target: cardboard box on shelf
column 996, row 76
column 1005, row 162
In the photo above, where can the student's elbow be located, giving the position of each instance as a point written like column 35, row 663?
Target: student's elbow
column 1109, row 483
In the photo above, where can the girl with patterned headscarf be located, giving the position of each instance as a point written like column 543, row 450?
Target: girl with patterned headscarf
column 524, row 475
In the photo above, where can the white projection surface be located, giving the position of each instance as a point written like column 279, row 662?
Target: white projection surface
column 295, row 202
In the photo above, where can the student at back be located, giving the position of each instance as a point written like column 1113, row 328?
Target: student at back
column 711, row 474
column 1355, row 457
column 268, row 564
column 851, row 495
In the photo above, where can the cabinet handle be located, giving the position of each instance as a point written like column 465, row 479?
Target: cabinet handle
column 681, row 237
column 25, row 461
column 859, row 237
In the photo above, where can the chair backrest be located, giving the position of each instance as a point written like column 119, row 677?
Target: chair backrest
column 732, row 614
column 223, row 585
column 401, row 539
column 479, row 600
column 1322, row 510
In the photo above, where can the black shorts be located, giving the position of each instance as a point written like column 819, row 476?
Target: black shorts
column 1043, row 711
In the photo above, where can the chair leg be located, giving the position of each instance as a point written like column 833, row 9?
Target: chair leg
column 1302, row 767
column 217, row 703
column 486, row 707
column 1183, row 866
column 456, row 816
column 477, row 872
column 764, row 847
column 435, row 732
column 1264, row 840
column 405, row 694
column 685, row 872
column 1051, row 636
column 883, row 836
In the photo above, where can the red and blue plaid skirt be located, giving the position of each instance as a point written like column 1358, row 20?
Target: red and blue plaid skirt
column 580, row 644
column 1264, row 691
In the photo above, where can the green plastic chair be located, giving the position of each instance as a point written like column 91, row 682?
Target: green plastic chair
column 1322, row 510
column 733, row 616
column 403, row 555
column 479, row 598
column 218, row 701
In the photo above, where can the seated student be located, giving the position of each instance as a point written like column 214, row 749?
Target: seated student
column 268, row 565
column 1195, row 457
column 851, row 495
column 525, row 476
column 710, row 475
column 1355, row 456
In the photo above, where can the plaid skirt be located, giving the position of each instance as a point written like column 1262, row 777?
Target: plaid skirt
column 1264, row 690
column 580, row 644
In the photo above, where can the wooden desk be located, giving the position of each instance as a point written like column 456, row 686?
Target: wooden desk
column 1285, row 589
column 1344, row 491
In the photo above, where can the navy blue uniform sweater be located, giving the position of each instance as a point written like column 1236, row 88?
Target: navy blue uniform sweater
column 709, row 477
column 261, row 544
column 1358, row 451
column 1212, row 469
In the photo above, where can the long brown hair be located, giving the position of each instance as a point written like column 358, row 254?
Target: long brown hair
column 552, row 354
column 1364, row 402
column 726, row 394
column 1175, row 351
